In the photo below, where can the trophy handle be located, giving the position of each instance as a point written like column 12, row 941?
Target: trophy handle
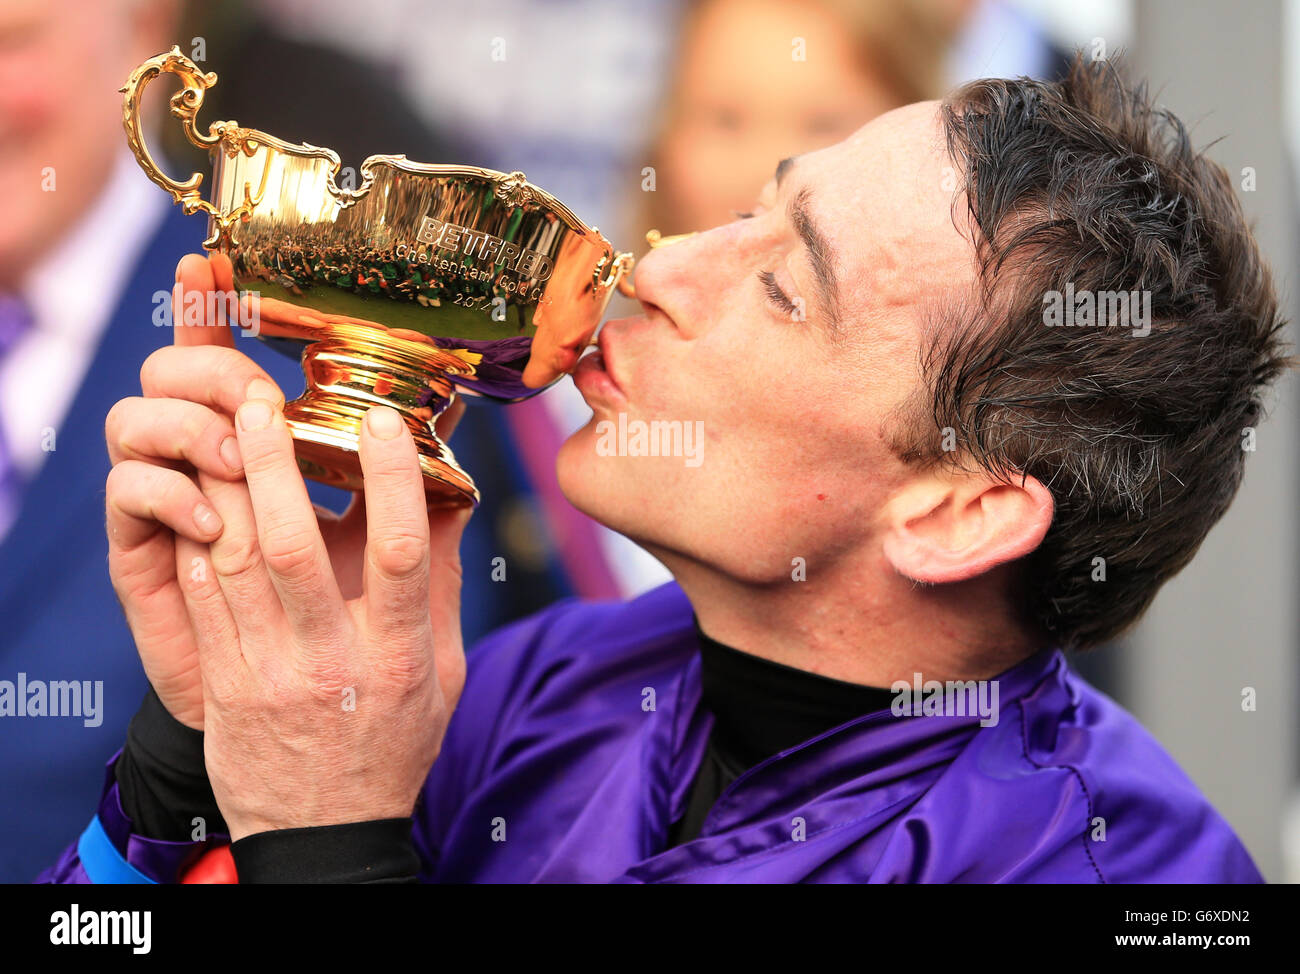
column 347, row 197
column 185, row 105
column 656, row 239
column 620, row 267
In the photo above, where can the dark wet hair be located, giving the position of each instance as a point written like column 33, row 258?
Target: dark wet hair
column 1084, row 182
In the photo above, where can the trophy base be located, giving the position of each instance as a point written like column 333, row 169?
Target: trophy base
column 350, row 372
column 329, row 454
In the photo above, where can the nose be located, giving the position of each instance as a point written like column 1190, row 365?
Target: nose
column 656, row 240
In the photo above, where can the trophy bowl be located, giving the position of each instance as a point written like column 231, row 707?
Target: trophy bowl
column 404, row 288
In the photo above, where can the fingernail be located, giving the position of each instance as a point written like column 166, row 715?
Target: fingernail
column 384, row 422
column 254, row 415
column 261, row 389
column 230, row 454
column 206, row 520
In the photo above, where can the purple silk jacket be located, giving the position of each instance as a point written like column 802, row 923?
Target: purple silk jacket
column 579, row 732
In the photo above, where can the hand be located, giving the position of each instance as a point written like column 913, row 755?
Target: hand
column 319, row 709
column 157, row 444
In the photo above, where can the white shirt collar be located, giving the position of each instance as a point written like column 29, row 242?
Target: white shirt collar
column 72, row 294
column 74, row 290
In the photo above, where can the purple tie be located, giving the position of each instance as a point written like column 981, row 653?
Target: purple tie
column 15, row 320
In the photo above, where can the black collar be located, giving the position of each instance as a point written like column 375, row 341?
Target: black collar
column 761, row 707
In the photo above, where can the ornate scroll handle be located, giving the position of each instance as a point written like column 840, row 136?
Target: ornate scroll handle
column 655, row 239
column 185, row 105
column 347, row 197
column 620, row 266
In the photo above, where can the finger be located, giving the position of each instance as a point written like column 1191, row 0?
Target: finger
column 146, row 508
column 287, row 531
column 141, row 496
column 223, row 272
column 240, row 570
column 396, row 578
column 446, row 527
column 173, row 429
column 198, row 306
column 142, row 569
column 241, row 307
column 345, row 539
column 216, row 377
column 216, row 634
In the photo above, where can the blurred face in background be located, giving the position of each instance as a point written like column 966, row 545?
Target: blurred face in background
column 60, row 112
column 741, row 97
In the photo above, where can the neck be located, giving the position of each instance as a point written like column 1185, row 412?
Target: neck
column 856, row 623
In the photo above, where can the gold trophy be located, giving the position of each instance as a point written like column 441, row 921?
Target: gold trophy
column 420, row 282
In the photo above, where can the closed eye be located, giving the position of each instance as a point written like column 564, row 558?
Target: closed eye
column 774, row 294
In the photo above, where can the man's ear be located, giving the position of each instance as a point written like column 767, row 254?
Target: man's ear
column 950, row 526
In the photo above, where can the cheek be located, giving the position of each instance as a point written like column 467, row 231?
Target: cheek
column 694, row 382
column 756, row 434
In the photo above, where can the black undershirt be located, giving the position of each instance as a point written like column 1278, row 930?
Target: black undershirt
column 760, row 708
column 163, row 785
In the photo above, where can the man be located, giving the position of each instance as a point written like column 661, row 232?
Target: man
column 908, row 474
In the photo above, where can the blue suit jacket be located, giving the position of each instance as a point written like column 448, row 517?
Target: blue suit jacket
column 59, row 615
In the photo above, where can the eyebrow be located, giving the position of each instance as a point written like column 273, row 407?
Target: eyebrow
column 820, row 252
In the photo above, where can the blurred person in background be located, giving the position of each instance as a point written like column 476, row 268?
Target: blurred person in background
column 74, row 197
column 758, row 80
column 75, row 206
column 1002, row 39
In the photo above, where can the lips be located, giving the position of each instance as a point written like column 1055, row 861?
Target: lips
column 594, row 380
column 597, row 373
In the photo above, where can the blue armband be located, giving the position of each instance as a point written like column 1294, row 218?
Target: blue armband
column 101, row 860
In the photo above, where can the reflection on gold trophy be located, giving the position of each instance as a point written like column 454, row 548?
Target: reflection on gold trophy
column 420, row 282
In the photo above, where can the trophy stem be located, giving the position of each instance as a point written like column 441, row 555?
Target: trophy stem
column 346, row 375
